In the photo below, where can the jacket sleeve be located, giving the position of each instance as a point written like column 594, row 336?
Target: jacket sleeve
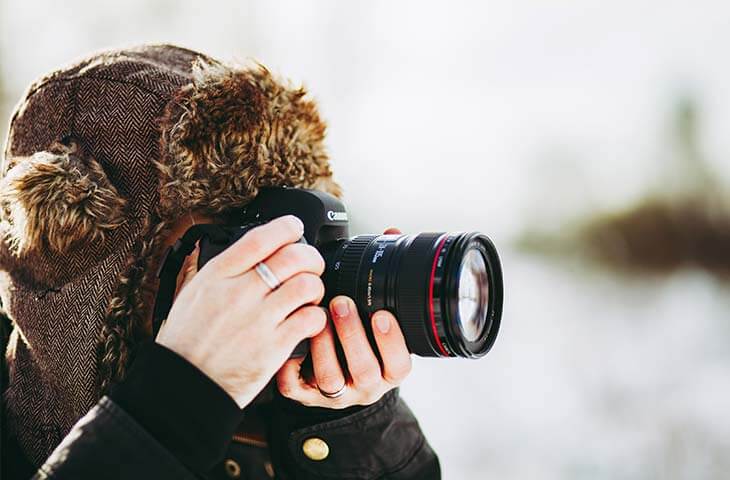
column 379, row 441
column 108, row 443
column 152, row 425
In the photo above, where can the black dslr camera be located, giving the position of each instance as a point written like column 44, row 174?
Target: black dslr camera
column 445, row 289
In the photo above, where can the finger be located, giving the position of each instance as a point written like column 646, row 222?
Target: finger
column 290, row 260
column 188, row 270
column 392, row 231
column 292, row 385
column 304, row 323
column 327, row 369
column 361, row 361
column 301, row 289
column 392, row 346
column 256, row 245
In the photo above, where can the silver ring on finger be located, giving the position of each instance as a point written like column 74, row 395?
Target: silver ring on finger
column 336, row 394
column 267, row 276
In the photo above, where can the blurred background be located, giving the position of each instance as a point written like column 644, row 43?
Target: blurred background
column 587, row 138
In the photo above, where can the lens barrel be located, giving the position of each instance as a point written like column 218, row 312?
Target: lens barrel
column 445, row 289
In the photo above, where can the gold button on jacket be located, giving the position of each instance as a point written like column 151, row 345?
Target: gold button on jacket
column 315, row 448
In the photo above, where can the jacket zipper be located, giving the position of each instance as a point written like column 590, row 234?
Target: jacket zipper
column 249, row 441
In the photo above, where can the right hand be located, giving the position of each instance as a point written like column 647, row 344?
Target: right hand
column 228, row 323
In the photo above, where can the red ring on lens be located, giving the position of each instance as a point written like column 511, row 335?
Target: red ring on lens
column 430, row 298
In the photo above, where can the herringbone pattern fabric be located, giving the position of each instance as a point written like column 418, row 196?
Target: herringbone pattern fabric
column 109, row 104
column 102, row 158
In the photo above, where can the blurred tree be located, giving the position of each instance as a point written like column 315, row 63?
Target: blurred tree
column 683, row 221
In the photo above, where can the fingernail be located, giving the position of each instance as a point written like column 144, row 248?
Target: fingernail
column 341, row 307
column 382, row 322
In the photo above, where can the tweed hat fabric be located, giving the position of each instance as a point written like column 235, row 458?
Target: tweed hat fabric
column 102, row 157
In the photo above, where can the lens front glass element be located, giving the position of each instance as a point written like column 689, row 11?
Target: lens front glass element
column 473, row 294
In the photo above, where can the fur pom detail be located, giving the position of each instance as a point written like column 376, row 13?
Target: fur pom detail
column 57, row 201
column 233, row 130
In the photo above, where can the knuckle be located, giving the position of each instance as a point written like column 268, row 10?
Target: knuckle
column 320, row 289
column 367, row 377
column 312, row 316
column 310, row 258
column 281, row 228
column 398, row 372
column 308, row 402
column 339, row 403
column 295, row 286
column 407, row 367
column 296, row 256
column 286, row 390
column 303, row 258
column 290, row 226
column 318, row 314
column 298, row 322
column 294, row 233
column 289, row 253
column 330, row 380
column 372, row 397
column 318, row 259
column 313, row 286
column 299, row 282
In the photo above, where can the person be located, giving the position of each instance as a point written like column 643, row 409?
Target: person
column 109, row 161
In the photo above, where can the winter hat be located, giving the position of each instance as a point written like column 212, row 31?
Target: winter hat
column 101, row 158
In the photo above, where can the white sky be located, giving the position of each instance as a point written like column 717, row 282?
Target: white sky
column 445, row 115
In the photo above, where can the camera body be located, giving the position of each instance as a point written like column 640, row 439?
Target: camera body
column 324, row 217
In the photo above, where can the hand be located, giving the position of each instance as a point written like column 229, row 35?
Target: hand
column 227, row 322
column 367, row 381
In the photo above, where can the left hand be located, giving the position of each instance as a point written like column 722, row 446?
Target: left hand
column 367, row 381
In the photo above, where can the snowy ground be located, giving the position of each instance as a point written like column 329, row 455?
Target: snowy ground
column 593, row 377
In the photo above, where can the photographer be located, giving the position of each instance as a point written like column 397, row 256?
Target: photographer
column 110, row 161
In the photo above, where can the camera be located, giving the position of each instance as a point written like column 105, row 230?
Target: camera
column 445, row 289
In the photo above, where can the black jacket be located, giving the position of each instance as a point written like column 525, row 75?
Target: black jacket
column 168, row 420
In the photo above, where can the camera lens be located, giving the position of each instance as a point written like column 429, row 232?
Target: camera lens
column 473, row 294
column 445, row 289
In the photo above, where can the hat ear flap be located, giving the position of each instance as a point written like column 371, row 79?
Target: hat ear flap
column 58, row 201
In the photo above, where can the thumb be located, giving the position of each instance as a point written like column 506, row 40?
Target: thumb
column 188, row 270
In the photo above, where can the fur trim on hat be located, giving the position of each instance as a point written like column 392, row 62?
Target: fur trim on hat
column 57, row 200
column 233, row 130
